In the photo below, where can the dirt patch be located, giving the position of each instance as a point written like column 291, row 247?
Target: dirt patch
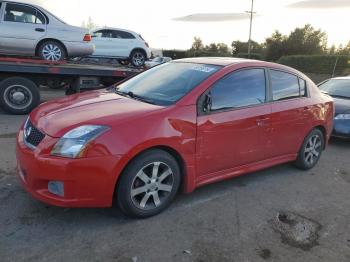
column 344, row 174
column 209, row 252
column 7, row 172
column 265, row 253
column 296, row 230
column 9, row 135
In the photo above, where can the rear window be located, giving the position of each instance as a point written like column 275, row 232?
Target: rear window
column 123, row 34
column 286, row 86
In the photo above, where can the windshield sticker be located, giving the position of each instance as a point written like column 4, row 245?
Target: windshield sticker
column 203, row 68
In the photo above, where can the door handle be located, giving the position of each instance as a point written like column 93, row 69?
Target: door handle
column 40, row 29
column 262, row 121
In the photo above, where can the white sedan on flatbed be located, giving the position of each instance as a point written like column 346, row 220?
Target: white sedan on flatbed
column 30, row 30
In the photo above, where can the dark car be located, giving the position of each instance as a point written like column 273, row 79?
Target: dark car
column 339, row 89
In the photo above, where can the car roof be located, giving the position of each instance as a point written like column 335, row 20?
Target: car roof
column 114, row 28
column 229, row 61
column 221, row 61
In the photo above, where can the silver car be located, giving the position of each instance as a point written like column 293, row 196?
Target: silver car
column 30, row 30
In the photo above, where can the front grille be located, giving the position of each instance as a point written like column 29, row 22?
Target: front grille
column 32, row 135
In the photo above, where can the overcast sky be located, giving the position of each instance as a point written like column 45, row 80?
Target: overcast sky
column 173, row 24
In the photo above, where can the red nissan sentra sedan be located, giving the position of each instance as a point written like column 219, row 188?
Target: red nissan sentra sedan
column 183, row 124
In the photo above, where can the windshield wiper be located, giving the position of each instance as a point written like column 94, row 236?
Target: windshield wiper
column 120, row 92
column 141, row 98
column 136, row 97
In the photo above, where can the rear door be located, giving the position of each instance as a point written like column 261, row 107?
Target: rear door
column 232, row 132
column 102, row 39
column 125, row 42
column 21, row 28
column 112, row 43
column 291, row 113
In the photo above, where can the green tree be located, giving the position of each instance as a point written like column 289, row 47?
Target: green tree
column 306, row 41
column 275, row 46
column 343, row 50
column 242, row 47
column 301, row 41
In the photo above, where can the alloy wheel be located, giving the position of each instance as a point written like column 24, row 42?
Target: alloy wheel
column 313, row 149
column 138, row 59
column 152, row 186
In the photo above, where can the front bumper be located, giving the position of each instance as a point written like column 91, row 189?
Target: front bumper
column 341, row 128
column 88, row 182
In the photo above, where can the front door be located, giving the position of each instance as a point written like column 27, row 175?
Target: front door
column 21, row 27
column 233, row 130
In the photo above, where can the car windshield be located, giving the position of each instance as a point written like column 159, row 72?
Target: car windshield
column 337, row 87
column 167, row 83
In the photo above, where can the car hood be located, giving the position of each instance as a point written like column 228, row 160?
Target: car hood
column 341, row 105
column 101, row 107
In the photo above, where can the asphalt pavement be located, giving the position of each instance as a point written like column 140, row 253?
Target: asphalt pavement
column 279, row 214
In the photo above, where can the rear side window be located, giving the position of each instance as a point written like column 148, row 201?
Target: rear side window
column 104, row 33
column 122, row 34
column 243, row 88
column 286, row 86
column 23, row 14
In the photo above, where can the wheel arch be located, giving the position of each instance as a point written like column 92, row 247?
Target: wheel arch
column 139, row 49
column 172, row 151
column 324, row 132
column 49, row 39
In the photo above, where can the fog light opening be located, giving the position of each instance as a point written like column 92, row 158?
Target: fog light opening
column 56, row 188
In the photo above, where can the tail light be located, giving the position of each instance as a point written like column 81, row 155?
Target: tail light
column 87, row 38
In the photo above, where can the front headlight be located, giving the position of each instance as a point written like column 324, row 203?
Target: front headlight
column 342, row 116
column 74, row 141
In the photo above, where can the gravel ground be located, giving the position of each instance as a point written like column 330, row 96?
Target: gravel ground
column 279, row 214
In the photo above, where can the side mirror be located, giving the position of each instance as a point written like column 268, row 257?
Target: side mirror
column 207, row 103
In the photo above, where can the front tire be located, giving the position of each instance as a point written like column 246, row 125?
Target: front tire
column 138, row 58
column 149, row 184
column 52, row 51
column 311, row 150
column 18, row 95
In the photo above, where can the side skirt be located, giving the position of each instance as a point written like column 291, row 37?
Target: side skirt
column 240, row 170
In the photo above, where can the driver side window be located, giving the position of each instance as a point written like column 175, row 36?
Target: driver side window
column 239, row 89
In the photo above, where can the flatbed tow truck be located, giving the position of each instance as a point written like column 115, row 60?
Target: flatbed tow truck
column 21, row 78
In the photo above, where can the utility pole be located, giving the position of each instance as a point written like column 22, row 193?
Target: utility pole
column 250, row 28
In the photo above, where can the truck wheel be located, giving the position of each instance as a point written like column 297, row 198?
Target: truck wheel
column 52, row 51
column 18, row 95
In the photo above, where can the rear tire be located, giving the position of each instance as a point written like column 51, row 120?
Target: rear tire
column 149, row 184
column 138, row 58
column 18, row 95
column 52, row 51
column 311, row 150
